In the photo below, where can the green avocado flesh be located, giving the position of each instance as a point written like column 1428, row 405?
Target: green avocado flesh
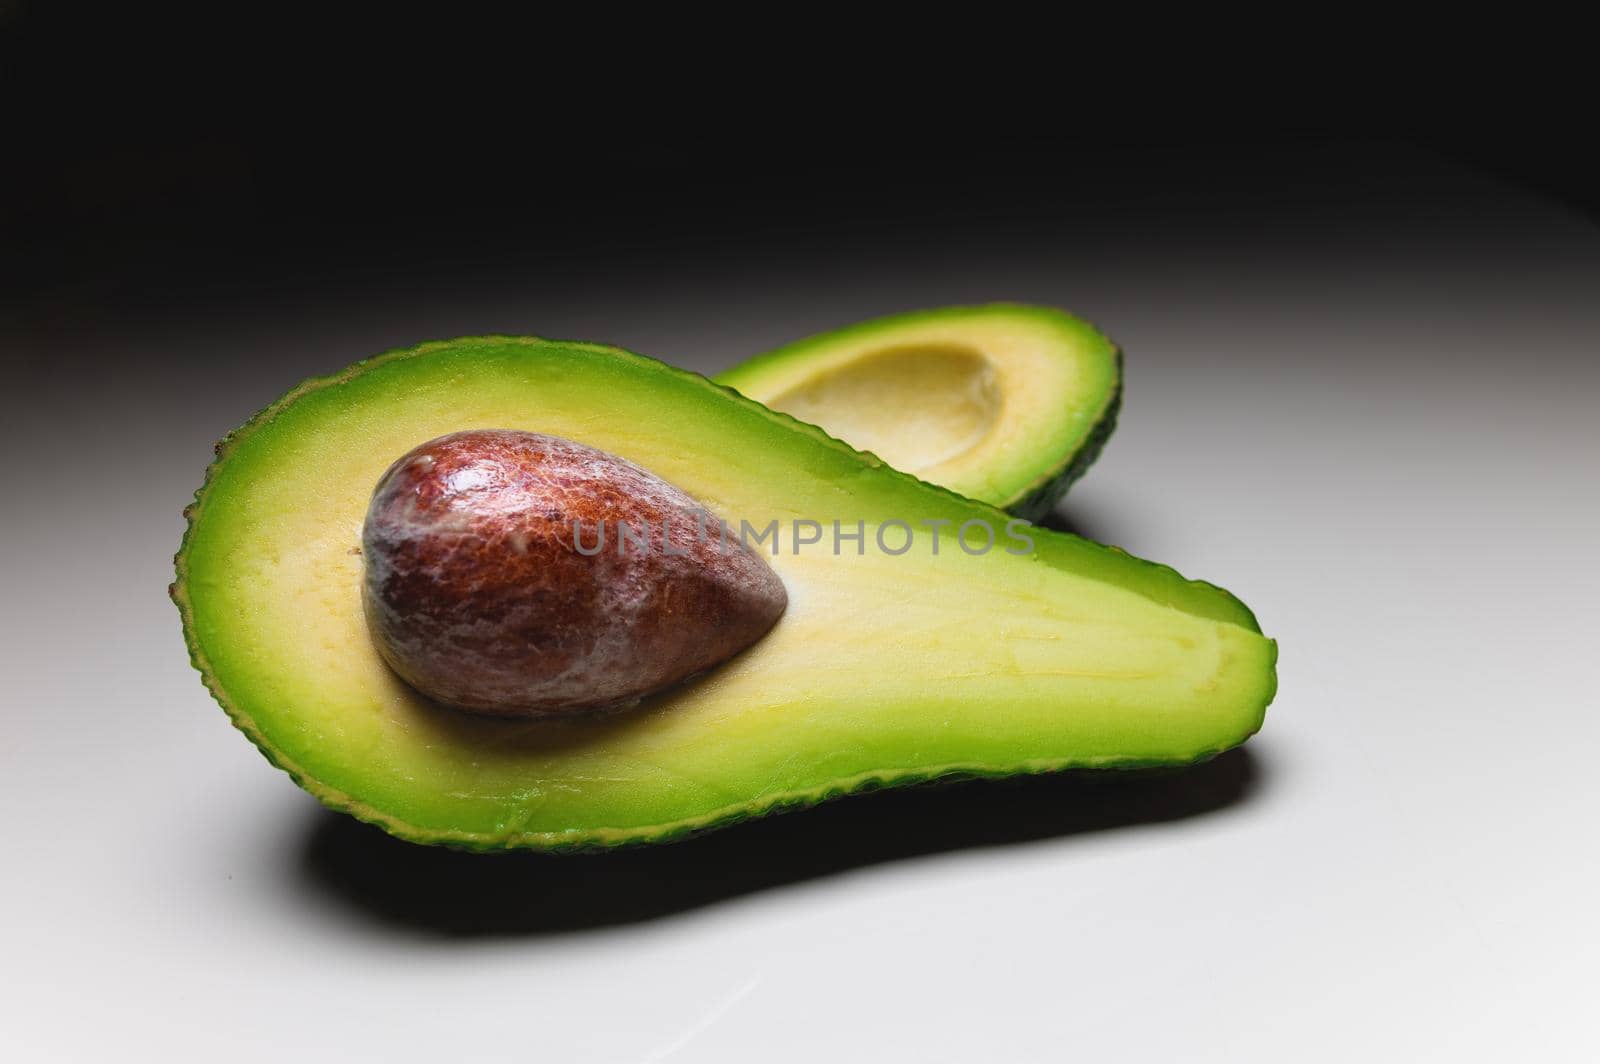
column 886, row 668
column 1006, row 404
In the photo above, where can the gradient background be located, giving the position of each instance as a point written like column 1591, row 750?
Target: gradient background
column 1361, row 395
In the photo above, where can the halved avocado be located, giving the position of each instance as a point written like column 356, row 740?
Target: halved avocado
column 1006, row 404
column 887, row 667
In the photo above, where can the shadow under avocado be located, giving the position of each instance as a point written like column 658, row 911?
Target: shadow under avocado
column 1062, row 518
column 450, row 893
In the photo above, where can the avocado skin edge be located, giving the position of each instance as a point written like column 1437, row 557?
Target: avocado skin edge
column 1035, row 502
column 342, row 802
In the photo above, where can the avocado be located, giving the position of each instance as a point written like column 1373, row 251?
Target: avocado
column 1005, row 403
column 908, row 650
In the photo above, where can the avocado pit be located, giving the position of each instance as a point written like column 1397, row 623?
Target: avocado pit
column 524, row 575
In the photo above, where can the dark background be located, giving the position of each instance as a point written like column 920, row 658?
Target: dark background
column 131, row 209
column 155, row 157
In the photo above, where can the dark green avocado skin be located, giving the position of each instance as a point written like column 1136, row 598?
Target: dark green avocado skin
column 1038, row 502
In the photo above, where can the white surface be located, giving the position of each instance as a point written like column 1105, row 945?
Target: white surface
column 1386, row 447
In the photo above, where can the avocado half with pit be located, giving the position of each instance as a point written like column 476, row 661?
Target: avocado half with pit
column 909, row 654
column 1005, row 403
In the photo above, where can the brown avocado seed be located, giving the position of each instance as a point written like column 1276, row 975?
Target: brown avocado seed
column 524, row 575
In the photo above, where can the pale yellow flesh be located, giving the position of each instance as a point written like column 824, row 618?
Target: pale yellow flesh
column 919, row 408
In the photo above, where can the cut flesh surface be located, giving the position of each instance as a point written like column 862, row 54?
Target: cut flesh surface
column 1003, row 403
column 886, row 667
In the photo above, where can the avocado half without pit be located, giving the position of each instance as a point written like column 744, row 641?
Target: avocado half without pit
column 1005, row 403
column 875, row 640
